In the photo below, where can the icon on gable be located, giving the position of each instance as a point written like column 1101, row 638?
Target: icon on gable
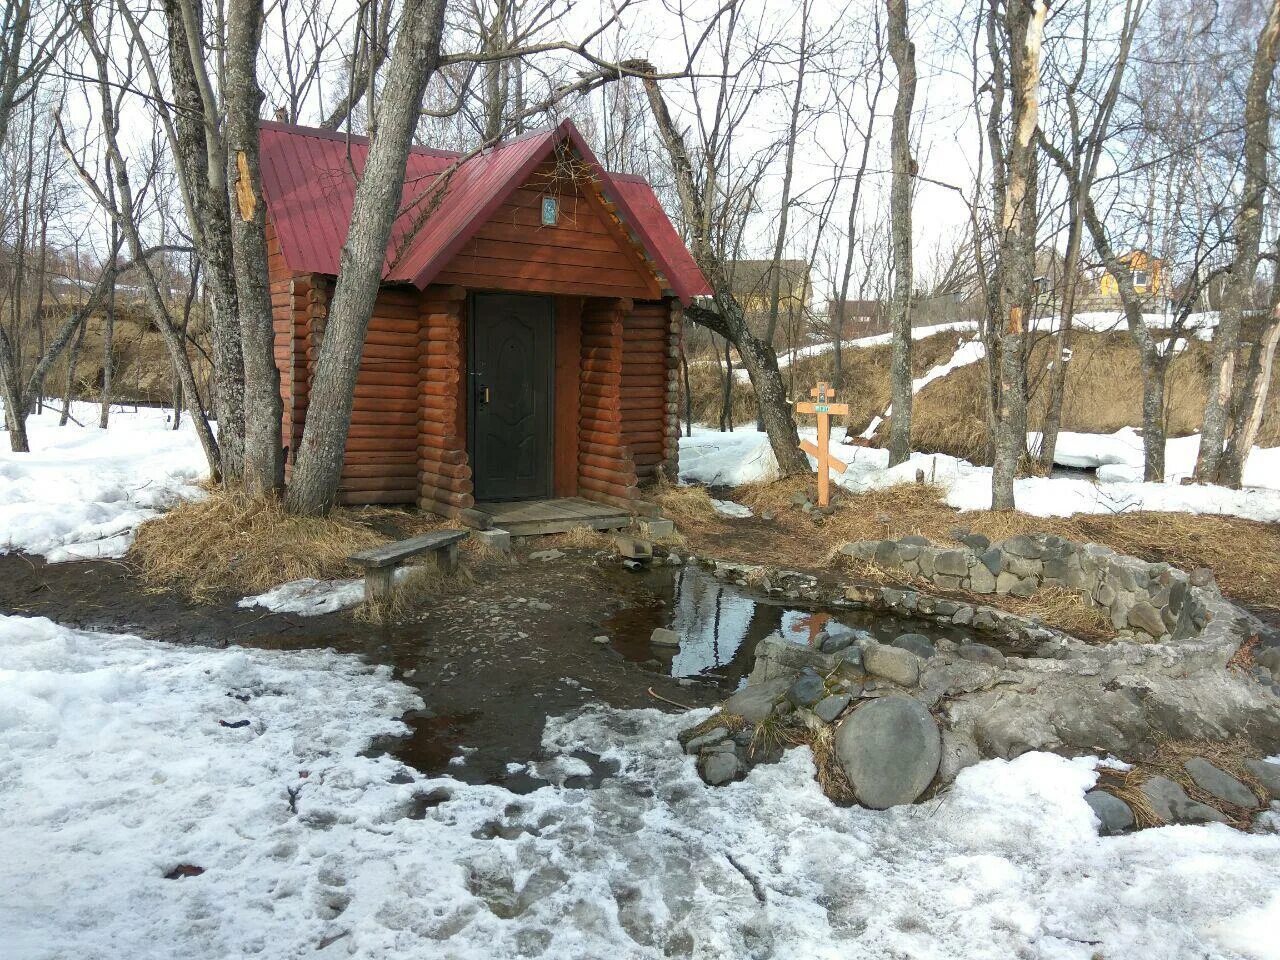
column 550, row 211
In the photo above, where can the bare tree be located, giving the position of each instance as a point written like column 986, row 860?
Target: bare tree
column 1244, row 266
column 1019, row 31
column 903, row 52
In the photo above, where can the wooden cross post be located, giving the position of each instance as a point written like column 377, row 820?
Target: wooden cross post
column 824, row 408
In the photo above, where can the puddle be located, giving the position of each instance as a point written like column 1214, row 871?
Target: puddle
column 719, row 625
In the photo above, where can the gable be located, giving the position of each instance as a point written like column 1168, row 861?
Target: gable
column 584, row 253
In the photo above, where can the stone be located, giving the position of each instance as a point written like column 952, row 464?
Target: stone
column 603, row 640
column 654, row 528
column 1056, row 569
column 963, row 617
column 860, row 549
column 1203, row 577
column 1114, row 815
column 1267, row 774
column 662, row 637
column 992, row 559
column 828, row 708
column 1023, row 546
column 708, row 739
column 807, row 689
column 916, row 539
column 1006, row 582
column 954, row 563
column 1269, row 660
column 1218, row 782
column 496, row 539
column 958, row 752
column 719, row 767
column 545, row 555
column 890, row 750
column 755, row 701
column 977, row 542
column 907, row 551
column 1172, row 805
column 1146, row 618
column 892, row 663
column 886, row 553
column 917, row 643
column 982, row 580
column 632, row 548
column 981, row 653
column 1025, row 587
column 834, row 637
column 1023, row 567
column 946, row 608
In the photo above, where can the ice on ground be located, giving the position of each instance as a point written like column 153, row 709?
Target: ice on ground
column 81, row 492
column 728, row 508
column 745, row 456
column 115, row 770
column 310, row 597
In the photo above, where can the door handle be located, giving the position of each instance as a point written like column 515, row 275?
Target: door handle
column 482, row 395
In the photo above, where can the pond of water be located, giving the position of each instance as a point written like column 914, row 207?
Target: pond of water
column 719, row 625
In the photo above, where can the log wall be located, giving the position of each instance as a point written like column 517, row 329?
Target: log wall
column 444, row 473
column 606, row 470
column 650, row 354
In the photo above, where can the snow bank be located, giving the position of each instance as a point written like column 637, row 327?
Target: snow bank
column 81, row 491
column 745, row 457
column 309, row 597
column 114, row 770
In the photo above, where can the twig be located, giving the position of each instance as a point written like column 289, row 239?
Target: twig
column 658, row 696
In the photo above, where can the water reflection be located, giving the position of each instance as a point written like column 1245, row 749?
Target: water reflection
column 719, row 625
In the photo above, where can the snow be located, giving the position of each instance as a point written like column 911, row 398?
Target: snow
column 745, row 456
column 728, row 508
column 967, row 352
column 81, row 491
column 114, row 770
column 309, row 597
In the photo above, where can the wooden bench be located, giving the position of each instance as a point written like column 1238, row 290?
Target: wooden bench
column 380, row 563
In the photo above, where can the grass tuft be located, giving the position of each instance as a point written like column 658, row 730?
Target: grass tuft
column 230, row 543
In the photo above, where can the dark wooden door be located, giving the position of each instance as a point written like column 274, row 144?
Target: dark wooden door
column 511, row 376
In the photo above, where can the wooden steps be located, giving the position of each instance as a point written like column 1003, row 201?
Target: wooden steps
column 531, row 518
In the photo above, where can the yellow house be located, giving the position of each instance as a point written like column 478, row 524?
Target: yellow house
column 1146, row 271
column 752, row 284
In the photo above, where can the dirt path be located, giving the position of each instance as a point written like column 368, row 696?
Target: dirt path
column 491, row 664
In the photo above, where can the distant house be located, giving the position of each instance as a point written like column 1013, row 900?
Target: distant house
column 1145, row 270
column 862, row 318
column 752, row 284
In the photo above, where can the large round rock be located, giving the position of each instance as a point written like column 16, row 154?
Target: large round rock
column 890, row 750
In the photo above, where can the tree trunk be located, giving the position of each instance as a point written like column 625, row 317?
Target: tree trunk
column 727, row 318
column 15, row 411
column 1025, row 29
column 263, row 408
column 726, row 391
column 1253, row 401
column 109, row 336
column 1062, row 343
column 1244, row 266
column 73, row 359
column 203, row 159
column 318, row 468
column 903, row 52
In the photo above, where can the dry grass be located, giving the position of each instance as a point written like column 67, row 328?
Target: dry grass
column 1064, row 609
column 423, row 585
column 579, row 538
column 228, row 543
column 1228, row 755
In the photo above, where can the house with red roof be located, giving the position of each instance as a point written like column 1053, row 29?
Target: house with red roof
column 525, row 339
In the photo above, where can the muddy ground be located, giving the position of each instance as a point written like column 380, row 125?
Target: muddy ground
column 492, row 663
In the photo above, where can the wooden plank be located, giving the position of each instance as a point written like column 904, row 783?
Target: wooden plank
column 395, row 553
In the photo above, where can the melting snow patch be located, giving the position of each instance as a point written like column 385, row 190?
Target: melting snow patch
column 81, row 492
column 115, row 771
column 728, row 508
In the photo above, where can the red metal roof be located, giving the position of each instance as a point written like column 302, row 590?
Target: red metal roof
column 308, row 177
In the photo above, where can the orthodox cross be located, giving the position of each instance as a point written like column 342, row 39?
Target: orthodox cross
column 823, row 394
